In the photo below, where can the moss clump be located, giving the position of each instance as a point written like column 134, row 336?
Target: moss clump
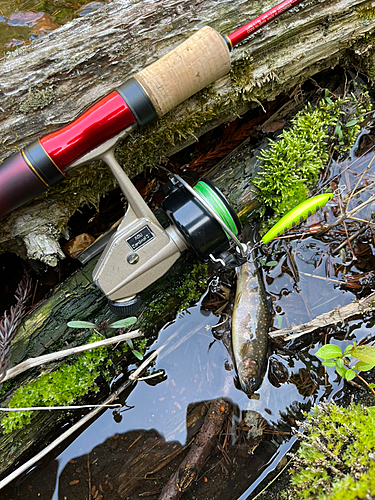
column 366, row 11
column 37, row 99
column 61, row 387
column 292, row 163
column 176, row 289
column 336, row 459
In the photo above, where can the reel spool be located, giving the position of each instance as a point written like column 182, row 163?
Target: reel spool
column 204, row 234
column 142, row 250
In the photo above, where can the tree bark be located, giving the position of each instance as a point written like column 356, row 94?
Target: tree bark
column 47, row 84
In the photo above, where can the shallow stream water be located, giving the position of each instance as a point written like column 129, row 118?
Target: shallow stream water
column 22, row 21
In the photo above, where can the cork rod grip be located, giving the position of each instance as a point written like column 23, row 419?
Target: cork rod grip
column 196, row 63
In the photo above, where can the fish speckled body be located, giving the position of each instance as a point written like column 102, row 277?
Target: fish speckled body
column 250, row 323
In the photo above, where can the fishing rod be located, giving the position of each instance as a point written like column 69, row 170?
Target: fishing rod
column 198, row 218
column 196, row 63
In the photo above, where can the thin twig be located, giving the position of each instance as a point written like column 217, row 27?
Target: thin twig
column 78, row 407
column 344, row 243
column 364, row 381
column 348, row 240
column 46, row 358
column 341, row 282
column 345, row 215
column 89, row 474
column 359, row 181
column 357, row 219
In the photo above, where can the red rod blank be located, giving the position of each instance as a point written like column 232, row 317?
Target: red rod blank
column 242, row 33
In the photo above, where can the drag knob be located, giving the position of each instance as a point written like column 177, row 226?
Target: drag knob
column 125, row 307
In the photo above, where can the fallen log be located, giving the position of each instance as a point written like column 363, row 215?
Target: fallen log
column 68, row 69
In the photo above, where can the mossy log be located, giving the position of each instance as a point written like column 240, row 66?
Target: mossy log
column 47, row 84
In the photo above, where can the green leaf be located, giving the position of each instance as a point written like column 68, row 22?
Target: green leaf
column 363, row 367
column 130, row 343
column 339, row 362
column 365, row 353
column 81, row 324
column 341, row 371
column 348, row 348
column 326, row 93
column 123, row 323
column 329, row 101
column 329, row 351
column 137, row 355
column 262, row 262
column 371, row 386
column 338, row 131
column 272, row 263
column 351, row 123
column 329, row 362
column 349, row 374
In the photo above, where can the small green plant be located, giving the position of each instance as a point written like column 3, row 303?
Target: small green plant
column 122, row 323
column 336, row 458
column 363, row 356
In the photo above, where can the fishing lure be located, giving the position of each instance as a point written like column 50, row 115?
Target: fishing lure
column 297, row 215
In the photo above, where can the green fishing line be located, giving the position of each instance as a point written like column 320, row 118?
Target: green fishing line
column 216, row 204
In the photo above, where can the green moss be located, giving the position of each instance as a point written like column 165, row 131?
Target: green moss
column 37, row 99
column 62, row 387
column 366, row 11
column 292, row 163
column 336, row 459
column 176, row 290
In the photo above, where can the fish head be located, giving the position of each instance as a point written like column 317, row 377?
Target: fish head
column 249, row 375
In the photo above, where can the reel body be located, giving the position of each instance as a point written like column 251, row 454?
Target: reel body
column 141, row 250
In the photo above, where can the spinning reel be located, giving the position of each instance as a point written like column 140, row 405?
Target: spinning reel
column 142, row 250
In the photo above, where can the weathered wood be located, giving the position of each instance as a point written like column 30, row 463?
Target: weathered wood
column 47, row 84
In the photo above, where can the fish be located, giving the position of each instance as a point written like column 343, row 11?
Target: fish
column 251, row 320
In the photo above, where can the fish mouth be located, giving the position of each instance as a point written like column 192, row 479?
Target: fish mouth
column 248, row 375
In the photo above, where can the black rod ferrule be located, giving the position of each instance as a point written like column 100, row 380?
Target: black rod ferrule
column 138, row 101
column 42, row 165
